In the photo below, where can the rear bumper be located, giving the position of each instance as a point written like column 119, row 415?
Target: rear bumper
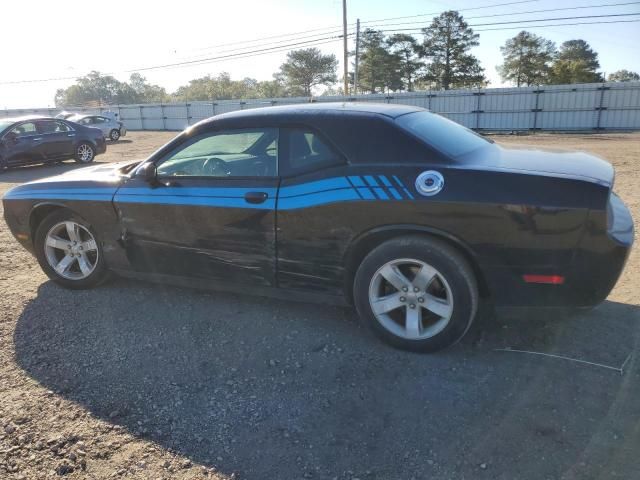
column 101, row 146
column 588, row 278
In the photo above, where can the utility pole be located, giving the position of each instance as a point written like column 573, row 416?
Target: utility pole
column 355, row 73
column 346, row 54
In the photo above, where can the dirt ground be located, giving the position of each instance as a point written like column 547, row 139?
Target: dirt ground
column 134, row 380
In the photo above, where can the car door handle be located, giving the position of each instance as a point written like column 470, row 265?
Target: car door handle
column 71, row 134
column 37, row 139
column 255, row 197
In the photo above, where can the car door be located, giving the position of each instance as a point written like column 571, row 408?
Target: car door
column 211, row 213
column 55, row 139
column 314, row 184
column 102, row 123
column 21, row 144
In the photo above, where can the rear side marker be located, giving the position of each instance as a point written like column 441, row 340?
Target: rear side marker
column 545, row 279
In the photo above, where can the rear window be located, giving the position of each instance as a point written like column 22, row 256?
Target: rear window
column 442, row 134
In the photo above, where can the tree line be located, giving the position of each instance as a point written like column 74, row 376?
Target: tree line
column 393, row 63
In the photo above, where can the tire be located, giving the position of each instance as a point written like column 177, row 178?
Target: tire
column 114, row 135
column 84, row 267
column 405, row 320
column 85, row 153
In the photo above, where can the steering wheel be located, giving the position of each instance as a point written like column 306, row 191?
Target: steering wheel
column 216, row 167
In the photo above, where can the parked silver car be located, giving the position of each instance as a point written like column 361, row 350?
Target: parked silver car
column 110, row 128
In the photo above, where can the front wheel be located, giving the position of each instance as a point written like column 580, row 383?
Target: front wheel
column 85, row 153
column 416, row 293
column 114, row 135
column 68, row 250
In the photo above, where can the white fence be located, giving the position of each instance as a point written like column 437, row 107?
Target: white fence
column 578, row 107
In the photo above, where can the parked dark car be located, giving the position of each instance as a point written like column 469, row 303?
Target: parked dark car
column 404, row 214
column 29, row 140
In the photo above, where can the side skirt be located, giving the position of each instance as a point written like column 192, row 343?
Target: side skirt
column 260, row 291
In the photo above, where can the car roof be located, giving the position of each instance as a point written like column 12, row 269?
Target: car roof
column 326, row 109
column 27, row 117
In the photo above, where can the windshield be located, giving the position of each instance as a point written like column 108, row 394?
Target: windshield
column 6, row 123
column 442, row 134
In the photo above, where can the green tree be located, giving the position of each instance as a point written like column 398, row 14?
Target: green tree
column 446, row 45
column 527, row 59
column 220, row 87
column 406, row 48
column 623, row 76
column 576, row 62
column 144, row 92
column 93, row 89
column 270, row 89
column 98, row 89
column 378, row 68
column 305, row 69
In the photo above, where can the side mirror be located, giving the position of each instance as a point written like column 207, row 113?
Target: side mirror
column 148, row 173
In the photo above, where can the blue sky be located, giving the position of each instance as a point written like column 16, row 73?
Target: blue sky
column 83, row 36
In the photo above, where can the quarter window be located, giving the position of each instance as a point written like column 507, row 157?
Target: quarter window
column 231, row 153
column 307, row 151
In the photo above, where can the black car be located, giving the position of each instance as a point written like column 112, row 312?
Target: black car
column 404, row 214
column 30, row 140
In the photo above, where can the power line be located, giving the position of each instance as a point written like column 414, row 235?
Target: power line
column 316, row 39
column 335, row 29
column 246, row 54
column 458, row 10
column 510, row 14
column 525, row 26
column 531, row 21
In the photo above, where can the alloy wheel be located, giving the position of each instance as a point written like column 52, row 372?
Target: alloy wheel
column 85, row 153
column 71, row 250
column 411, row 299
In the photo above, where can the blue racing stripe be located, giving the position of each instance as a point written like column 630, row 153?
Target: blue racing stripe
column 233, row 192
column 317, row 199
column 101, row 197
column 314, row 187
column 387, row 183
column 232, row 202
column 403, row 187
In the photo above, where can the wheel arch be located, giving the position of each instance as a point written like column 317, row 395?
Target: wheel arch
column 40, row 211
column 367, row 241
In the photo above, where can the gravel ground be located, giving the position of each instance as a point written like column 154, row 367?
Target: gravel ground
column 136, row 380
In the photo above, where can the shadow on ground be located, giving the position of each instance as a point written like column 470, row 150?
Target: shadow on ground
column 282, row 390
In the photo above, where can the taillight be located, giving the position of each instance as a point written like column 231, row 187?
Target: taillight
column 546, row 279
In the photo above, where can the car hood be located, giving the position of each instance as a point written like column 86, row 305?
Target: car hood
column 537, row 161
column 85, row 183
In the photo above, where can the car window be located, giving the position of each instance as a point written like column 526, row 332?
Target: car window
column 24, row 129
column 441, row 133
column 99, row 120
column 51, row 126
column 231, row 153
column 306, row 150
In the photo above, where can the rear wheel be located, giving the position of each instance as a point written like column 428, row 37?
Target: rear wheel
column 114, row 135
column 416, row 293
column 69, row 252
column 85, row 153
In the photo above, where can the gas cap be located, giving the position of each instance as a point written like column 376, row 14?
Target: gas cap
column 429, row 183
